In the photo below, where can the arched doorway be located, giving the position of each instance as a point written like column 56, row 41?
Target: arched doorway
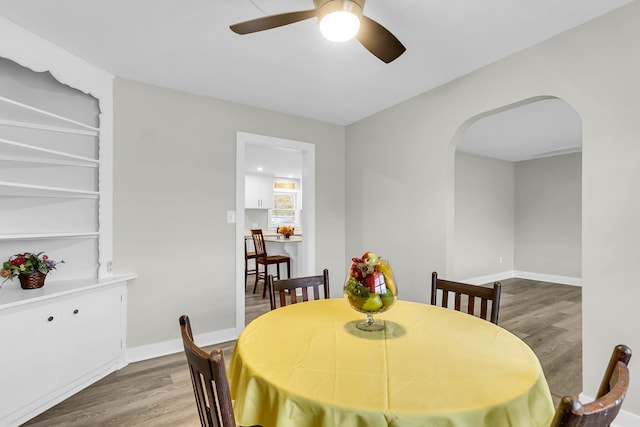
column 516, row 197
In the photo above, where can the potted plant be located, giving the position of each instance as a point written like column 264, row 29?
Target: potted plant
column 286, row 230
column 31, row 268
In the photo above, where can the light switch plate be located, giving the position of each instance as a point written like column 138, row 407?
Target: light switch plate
column 231, row 217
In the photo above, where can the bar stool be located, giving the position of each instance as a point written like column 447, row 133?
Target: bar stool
column 249, row 255
column 266, row 260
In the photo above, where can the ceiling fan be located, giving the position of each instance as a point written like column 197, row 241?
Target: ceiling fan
column 373, row 36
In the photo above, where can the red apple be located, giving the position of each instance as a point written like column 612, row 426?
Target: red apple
column 370, row 258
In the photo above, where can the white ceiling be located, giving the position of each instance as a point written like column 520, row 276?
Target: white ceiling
column 187, row 45
column 276, row 161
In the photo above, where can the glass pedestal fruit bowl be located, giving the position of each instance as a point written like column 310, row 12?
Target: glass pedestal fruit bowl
column 370, row 288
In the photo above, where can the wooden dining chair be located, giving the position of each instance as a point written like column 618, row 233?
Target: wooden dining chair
column 248, row 256
column 486, row 296
column 602, row 411
column 209, row 379
column 290, row 287
column 264, row 260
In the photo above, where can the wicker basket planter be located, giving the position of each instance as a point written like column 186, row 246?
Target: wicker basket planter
column 31, row 280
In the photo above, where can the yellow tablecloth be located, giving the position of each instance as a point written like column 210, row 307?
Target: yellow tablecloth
column 308, row 365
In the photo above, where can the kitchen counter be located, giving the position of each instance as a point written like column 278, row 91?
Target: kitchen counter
column 273, row 237
column 281, row 239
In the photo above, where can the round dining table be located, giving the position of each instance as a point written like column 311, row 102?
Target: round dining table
column 307, row 365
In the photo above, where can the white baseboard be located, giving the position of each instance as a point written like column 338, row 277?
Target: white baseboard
column 624, row 418
column 144, row 352
column 563, row 280
column 480, row 280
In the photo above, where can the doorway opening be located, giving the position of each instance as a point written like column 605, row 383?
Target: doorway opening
column 516, row 194
column 306, row 262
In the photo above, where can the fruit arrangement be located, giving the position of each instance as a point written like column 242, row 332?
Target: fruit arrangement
column 370, row 286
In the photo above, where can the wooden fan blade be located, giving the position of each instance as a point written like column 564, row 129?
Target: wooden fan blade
column 379, row 41
column 272, row 21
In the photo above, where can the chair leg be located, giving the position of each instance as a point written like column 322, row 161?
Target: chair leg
column 264, row 290
column 255, row 284
column 264, row 287
column 288, row 269
column 246, row 274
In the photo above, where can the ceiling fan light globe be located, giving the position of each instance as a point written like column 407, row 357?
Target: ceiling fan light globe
column 339, row 26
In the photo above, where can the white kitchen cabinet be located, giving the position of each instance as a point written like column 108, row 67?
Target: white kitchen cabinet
column 56, row 341
column 258, row 191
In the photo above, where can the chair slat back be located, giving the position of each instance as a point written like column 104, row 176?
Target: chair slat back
column 290, row 287
column 247, row 253
column 486, row 296
column 602, row 411
column 258, row 243
column 209, row 380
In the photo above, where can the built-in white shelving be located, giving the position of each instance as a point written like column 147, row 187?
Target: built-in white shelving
column 56, row 142
column 49, row 128
column 16, row 111
column 29, row 153
column 28, row 190
column 49, row 173
column 26, row 236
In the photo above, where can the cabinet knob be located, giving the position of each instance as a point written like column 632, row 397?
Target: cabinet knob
column 50, row 318
column 75, row 311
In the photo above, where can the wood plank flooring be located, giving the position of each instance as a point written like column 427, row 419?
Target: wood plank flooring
column 548, row 317
column 158, row 392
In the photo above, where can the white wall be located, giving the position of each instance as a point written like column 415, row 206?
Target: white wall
column 594, row 68
column 548, row 216
column 174, row 182
column 528, row 213
column 484, row 216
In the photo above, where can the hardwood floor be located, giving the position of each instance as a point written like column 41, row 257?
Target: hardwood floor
column 548, row 317
column 158, row 392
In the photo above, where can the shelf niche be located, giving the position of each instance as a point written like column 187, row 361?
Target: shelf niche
column 49, row 171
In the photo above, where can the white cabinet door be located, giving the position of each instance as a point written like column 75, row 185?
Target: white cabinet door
column 258, row 191
column 251, row 192
column 29, row 360
column 92, row 332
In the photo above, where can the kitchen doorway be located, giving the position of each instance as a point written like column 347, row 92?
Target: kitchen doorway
column 307, row 246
